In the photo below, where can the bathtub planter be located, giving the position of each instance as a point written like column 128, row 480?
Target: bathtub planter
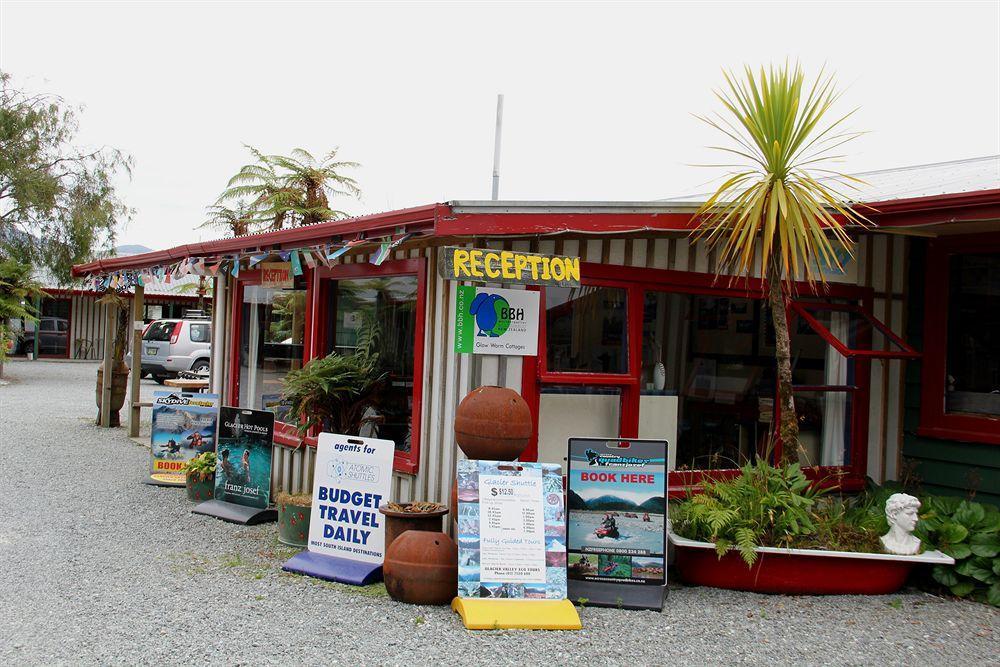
column 293, row 518
column 797, row 571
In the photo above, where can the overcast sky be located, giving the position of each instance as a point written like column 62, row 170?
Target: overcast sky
column 598, row 97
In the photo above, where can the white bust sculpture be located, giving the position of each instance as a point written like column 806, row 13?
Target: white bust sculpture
column 901, row 511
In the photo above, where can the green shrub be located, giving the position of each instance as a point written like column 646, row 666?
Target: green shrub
column 969, row 532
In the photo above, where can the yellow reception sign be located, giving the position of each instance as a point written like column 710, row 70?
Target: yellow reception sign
column 508, row 266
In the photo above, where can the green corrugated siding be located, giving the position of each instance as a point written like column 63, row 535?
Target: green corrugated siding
column 946, row 467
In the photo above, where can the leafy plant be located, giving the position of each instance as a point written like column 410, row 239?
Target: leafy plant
column 335, row 392
column 762, row 506
column 969, row 532
column 779, row 204
column 17, row 291
column 201, row 467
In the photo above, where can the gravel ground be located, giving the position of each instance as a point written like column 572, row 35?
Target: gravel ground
column 96, row 567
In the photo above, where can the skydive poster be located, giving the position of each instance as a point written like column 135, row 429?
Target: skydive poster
column 616, row 499
column 511, row 530
column 183, row 427
column 243, row 467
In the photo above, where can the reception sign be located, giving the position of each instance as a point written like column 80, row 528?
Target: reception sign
column 496, row 321
column 276, row 275
column 352, row 478
column 184, row 426
column 616, row 499
column 511, row 530
column 243, row 468
column 508, row 266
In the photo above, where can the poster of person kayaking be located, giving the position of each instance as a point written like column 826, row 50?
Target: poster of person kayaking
column 616, row 499
column 243, row 467
column 183, row 427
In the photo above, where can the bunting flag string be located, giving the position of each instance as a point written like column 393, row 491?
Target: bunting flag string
column 296, row 263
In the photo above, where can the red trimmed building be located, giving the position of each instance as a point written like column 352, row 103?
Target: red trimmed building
column 896, row 364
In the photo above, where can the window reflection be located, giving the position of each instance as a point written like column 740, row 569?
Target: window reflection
column 973, row 376
column 271, row 344
column 388, row 303
column 585, row 329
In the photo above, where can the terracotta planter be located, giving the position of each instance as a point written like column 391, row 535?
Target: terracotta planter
column 293, row 524
column 119, row 385
column 200, row 490
column 397, row 523
column 421, row 568
column 797, row 571
column 493, row 424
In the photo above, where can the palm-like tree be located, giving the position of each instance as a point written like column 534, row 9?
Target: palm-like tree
column 291, row 190
column 238, row 220
column 781, row 204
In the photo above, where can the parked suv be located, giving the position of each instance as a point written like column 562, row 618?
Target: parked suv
column 171, row 346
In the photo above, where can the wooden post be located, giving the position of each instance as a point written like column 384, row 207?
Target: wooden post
column 135, row 376
column 110, row 315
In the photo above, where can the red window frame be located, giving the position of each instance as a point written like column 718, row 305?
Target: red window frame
column 406, row 462
column 637, row 281
column 284, row 433
column 935, row 422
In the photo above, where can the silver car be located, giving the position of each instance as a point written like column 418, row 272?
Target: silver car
column 171, row 346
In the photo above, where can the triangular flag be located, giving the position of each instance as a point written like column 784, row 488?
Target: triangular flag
column 296, row 263
column 381, row 254
column 257, row 259
column 310, row 260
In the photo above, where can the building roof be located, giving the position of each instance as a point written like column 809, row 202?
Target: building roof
column 941, row 194
column 916, row 182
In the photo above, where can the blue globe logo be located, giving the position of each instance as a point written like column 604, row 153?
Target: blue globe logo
column 492, row 313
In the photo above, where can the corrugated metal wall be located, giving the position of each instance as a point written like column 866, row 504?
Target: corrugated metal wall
column 86, row 328
column 880, row 264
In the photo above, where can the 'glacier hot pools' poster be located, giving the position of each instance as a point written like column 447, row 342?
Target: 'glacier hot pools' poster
column 243, row 466
column 616, row 501
column 183, row 427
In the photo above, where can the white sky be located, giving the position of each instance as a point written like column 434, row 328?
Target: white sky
column 598, row 97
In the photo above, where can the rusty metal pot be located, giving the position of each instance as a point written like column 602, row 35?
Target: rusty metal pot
column 421, row 568
column 397, row 523
column 493, row 424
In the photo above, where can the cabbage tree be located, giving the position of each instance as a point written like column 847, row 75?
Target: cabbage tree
column 781, row 203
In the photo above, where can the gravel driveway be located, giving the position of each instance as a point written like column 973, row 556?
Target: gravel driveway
column 96, row 567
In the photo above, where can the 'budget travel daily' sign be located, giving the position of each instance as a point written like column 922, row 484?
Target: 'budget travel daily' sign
column 496, row 321
column 243, row 470
column 508, row 266
column 352, row 479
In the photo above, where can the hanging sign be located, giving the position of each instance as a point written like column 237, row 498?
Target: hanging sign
column 352, row 479
column 496, row 321
column 616, row 499
column 184, row 426
column 511, row 530
column 243, row 466
column 508, row 266
column 277, row 275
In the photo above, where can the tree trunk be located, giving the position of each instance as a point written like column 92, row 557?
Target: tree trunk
column 788, row 426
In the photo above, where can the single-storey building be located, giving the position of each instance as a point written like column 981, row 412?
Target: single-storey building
column 896, row 363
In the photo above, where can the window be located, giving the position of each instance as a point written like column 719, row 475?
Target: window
column 389, row 297
column 389, row 305
column 159, row 331
column 201, row 333
column 960, row 388
column 973, row 347
column 54, row 325
column 586, row 329
column 271, row 343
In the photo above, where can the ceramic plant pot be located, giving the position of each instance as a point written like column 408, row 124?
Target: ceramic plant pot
column 293, row 524
column 200, row 489
column 493, row 424
column 421, row 568
column 397, row 523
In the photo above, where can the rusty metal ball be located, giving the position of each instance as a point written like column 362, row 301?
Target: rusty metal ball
column 493, row 424
column 421, row 567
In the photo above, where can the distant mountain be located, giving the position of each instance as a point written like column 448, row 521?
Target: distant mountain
column 133, row 249
column 657, row 505
column 574, row 501
column 609, row 502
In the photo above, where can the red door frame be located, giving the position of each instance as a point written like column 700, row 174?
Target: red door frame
column 407, row 462
column 934, row 421
column 285, row 434
column 636, row 281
